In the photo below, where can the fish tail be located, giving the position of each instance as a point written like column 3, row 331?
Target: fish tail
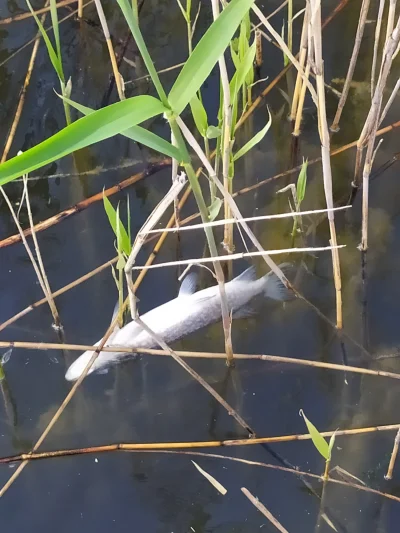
column 274, row 288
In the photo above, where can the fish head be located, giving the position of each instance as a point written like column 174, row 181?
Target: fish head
column 101, row 364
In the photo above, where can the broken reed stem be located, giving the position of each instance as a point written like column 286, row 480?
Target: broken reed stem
column 168, row 446
column 393, row 457
column 104, row 25
column 295, row 471
column 235, row 256
column 376, row 45
column 390, row 20
column 390, row 101
column 278, row 78
column 315, row 38
column 353, row 62
column 368, row 134
column 201, row 355
column 37, row 12
column 263, row 510
column 247, row 219
column 22, row 95
column 46, row 290
column 226, row 138
column 299, row 113
column 45, row 281
column 302, row 59
column 83, row 204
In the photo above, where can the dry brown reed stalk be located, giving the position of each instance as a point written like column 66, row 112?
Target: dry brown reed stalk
column 107, row 36
column 83, row 204
column 80, row 9
column 22, row 95
column 261, row 507
column 185, row 221
column 246, row 219
column 295, row 471
column 40, row 274
column 278, row 78
column 353, row 62
column 87, row 276
column 64, row 289
column 200, row 355
column 168, row 446
column 177, row 185
column 45, row 281
column 226, row 147
column 376, row 44
column 316, row 60
column 60, row 410
column 27, row 15
column 390, row 101
column 236, row 256
column 302, row 61
column 368, row 134
column 11, row 56
column 259, row 56
column 155, row 216
column 393, row 457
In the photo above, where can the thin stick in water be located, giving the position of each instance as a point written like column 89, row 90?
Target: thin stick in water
column 261, row 507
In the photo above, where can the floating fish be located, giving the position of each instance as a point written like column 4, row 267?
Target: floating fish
column 189, row 312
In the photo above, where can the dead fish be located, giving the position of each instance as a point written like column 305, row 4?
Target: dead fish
column 189, row 312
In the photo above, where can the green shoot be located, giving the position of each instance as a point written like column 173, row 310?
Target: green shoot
column 123, row 247
column 298, row 194
column 55, row 53
column 323, row 447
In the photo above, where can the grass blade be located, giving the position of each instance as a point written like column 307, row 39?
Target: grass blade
column 50, row 49
column 123, row 241
column 137, row 134
column 302, row 182
column 199, row 115
column 206, row 54
column 56, row 30
column 137, row 35
column 318, row 440
column 97, row 126
column 253, row 141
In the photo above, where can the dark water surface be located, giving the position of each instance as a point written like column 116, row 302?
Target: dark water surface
column 151, row 398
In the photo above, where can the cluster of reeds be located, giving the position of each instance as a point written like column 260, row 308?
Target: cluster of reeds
column 214, row 143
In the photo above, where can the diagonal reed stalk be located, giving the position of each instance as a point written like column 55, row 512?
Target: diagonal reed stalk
column 24, row 89
column 226, row 139
column 104, row 26
column 353, row 62
column 38, row 268
column 263, row 510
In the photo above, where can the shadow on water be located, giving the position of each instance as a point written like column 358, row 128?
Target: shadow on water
column 152, row 399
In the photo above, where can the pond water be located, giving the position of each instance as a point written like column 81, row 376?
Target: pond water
column 151, row 399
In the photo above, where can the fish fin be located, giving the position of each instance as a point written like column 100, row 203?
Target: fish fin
column 247, row 275
column 274, row 288
column 188, row 285
column 246, row 311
